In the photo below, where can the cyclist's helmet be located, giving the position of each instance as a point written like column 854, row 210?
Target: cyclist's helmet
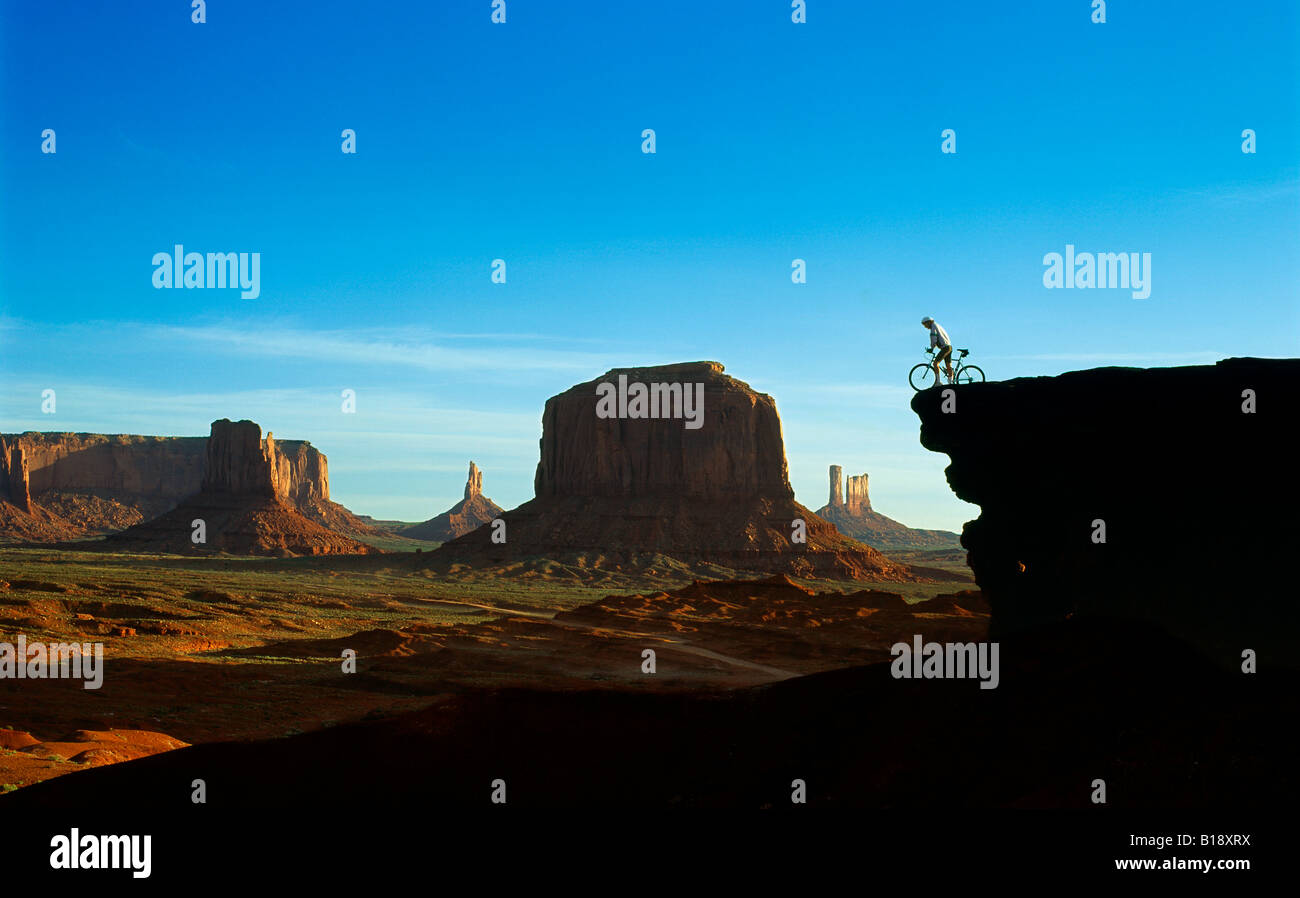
column 926, row 320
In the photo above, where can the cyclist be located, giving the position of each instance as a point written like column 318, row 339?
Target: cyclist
column 939, row 338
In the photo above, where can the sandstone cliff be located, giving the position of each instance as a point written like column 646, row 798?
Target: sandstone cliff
column 243, row 504
column 857, row 501
column 302, row 475
column 89, row 484
column 21, row 520
column 837, row 488
column 15, row 484
column 854, row 517
column 148, row 467
column 612, row 490
column 1051, row 461
column 466, row 515
column 739, row 452
column 240, row 462
column 474, row 483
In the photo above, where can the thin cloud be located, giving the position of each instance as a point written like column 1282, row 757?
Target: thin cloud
column 407, row 347
column 1249, row 194
column 290, row 413
column 371, row 347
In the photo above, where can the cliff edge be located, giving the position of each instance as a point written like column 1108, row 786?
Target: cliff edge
column 1096, row 499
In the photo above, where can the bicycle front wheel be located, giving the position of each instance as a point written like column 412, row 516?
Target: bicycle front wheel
column 970, row 374
column 921, row 377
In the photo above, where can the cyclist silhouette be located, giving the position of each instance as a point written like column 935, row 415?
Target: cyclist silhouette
column 939, row 339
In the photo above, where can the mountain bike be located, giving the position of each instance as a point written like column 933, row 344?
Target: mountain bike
column 922, row 376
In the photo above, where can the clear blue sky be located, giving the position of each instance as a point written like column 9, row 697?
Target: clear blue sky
column 522, row 141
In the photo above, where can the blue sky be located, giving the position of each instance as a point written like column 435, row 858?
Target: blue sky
column 522, row 141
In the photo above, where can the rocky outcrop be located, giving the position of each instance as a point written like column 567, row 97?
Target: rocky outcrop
column 302, row 472
column 20, row 519
column 837, row 488
column 15, row 484
column 1090, row 506
column 240, row 462
column 302, row 480
column 467, row 515
column 737, row 452
column 856, row 519
column 474, row 484
column 857, row 501
column 243, row 505
column 707, row 485
column 90, row 484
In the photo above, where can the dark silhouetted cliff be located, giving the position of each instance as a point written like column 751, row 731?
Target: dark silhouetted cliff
column 1190, row 471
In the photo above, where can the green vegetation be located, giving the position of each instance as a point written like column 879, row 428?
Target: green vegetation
column 206, row 607
column 223, row 608
column 400, row 543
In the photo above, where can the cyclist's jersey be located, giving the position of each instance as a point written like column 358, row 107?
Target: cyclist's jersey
column 938, row 336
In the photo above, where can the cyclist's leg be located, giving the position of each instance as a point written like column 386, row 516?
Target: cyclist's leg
column 946, row 355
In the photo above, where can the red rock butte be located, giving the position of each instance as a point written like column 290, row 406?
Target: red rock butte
column 849, row 509
column 621, row 487
column 246, row 502
column 60, row 486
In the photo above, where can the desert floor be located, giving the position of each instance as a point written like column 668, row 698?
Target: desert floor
column 228, row 648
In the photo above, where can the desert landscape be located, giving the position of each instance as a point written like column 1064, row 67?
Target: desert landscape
column 655, row 576
column 516, row 447
column 682, row 546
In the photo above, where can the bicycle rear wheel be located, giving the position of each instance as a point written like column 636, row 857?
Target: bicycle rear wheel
column 970, row 374
column 921, row 377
